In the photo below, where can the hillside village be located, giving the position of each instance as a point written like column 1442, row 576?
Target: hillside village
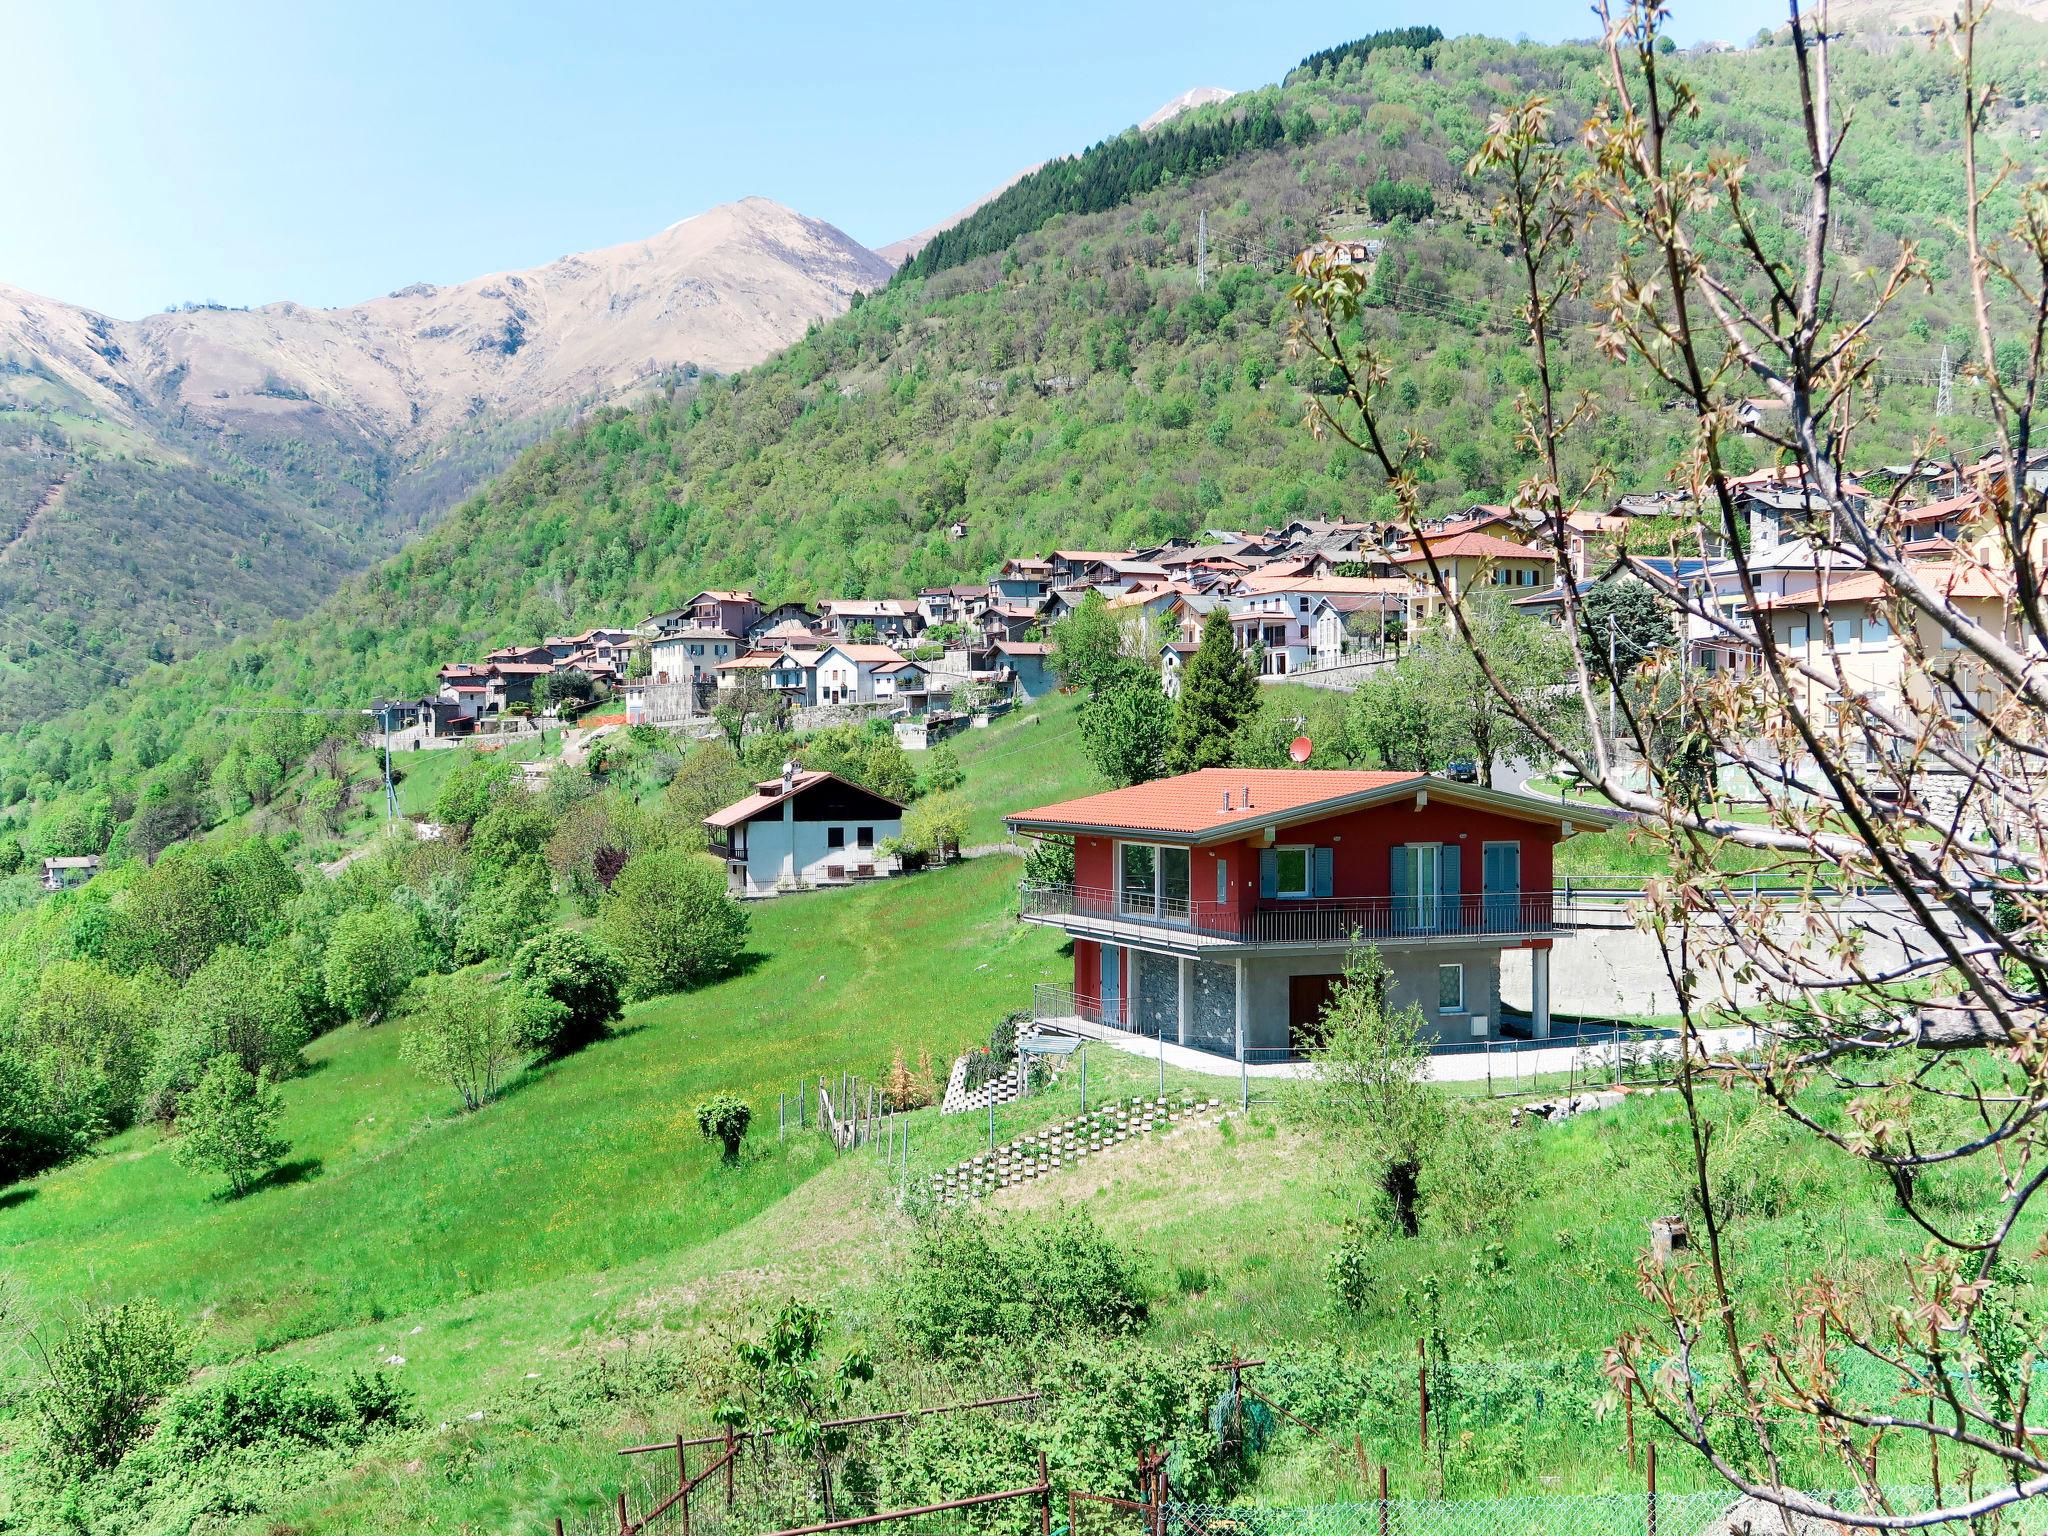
column 1321, row 602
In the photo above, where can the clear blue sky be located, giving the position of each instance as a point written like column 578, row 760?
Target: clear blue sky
column 243, row 152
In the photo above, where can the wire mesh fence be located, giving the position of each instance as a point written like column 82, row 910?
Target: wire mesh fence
column 1637, row 1513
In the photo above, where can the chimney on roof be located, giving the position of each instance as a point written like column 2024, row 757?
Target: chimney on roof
column 1247, row 797
column 1226, row 802
column 788, row 774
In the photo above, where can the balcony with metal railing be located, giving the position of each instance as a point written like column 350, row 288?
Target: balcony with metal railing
column 1142, row 915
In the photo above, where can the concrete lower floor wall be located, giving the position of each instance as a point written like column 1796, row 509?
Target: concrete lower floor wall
column 1268, row 983
column 1198, row 1002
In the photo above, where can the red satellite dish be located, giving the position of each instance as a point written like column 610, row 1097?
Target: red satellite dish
column 1299, row 749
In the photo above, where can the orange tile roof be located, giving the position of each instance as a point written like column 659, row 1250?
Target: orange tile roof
column 1262, row 583
column 1949, row 581
column 1192, row 803
column 1475, row 546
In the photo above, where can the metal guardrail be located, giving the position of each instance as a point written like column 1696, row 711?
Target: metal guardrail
column 1493, row 914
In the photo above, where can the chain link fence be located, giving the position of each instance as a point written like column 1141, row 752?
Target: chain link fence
column 1595, row 1514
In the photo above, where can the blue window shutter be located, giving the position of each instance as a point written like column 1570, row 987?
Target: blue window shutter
column 1325, row 875
column 1399, row 883
column 1450, row 910
column 1269, row 872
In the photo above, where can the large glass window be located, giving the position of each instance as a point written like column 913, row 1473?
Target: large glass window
column 1155, row 881
column 1140, row 877
column 1173, row 883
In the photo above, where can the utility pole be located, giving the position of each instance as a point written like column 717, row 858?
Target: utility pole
column 1202, row 249
column 1944, row 389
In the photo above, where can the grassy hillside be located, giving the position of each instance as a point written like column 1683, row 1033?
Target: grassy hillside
column 1076, row 387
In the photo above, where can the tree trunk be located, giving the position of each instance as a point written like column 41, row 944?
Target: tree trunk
column 1400, row 1181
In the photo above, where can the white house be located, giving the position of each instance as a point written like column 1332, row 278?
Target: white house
column 802, row 830
column 903, row 682
column 846, row 673
column 690, row 656
column 68, row 870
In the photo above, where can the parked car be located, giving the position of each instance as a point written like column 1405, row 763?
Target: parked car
column 1462, row 770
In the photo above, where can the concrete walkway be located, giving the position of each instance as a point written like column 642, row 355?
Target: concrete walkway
column 1476, row 1066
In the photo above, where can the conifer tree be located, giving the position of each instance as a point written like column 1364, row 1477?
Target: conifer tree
column 1219, row 696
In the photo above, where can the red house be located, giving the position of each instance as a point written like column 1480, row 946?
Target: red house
column 1215, row 908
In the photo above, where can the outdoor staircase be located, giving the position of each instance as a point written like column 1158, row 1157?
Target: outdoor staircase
column 1067, row 1144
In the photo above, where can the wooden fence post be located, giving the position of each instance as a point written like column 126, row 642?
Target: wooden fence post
column 730, row 1452
column 1422, row 1391
column 558, row 1525
column 625, row 1525
column 781, row 1117
column 1628, row 1406
column 683, row 1480
column 1045, row 1500
column 1650, row 1506
column 1383, row 1500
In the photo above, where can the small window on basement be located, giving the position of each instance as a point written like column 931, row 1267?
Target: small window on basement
column 1450, row 989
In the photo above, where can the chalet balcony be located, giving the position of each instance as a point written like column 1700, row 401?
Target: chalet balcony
column 1141, row 917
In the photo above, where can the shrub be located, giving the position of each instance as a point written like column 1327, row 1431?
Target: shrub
column 724, row 1118
column 268, row 1402
column 372, row 957
column 1050, row 861
column 469, row 792
column 465, row 1033
column 1348, row 1270
column 935, row 828
column 503, row 911
column 240, row 1004
column 973, row 1280
column 227, row 1124
column 671, row 923
column 569, row 991
column 100, row 1381
column 378, row 1402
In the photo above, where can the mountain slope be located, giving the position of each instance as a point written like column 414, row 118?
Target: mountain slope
column 297, row 444
column 896, row 252
column 1076, row 387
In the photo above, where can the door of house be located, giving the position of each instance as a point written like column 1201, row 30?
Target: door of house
column 1112, row 984
column 1417, row 868
column 1307, row 996
column 1501, row 880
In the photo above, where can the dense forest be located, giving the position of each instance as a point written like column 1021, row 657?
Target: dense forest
column 1078, row 386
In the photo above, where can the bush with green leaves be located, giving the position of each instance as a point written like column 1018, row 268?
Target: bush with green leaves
column 671, row 922
column 227, row 1124
column 82, row 1041
column 99, row 1383
column 264, row 1403
column 239, row 1003
column 464, row 1031
column 1347, row 1272
column 975, row 1279
column 503, row 911
column 474, row 786
column 1050, row 861
column 724, row 1118
column 570, row 987
column 372, row 957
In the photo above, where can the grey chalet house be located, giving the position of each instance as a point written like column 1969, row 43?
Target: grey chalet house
column 803, row 830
